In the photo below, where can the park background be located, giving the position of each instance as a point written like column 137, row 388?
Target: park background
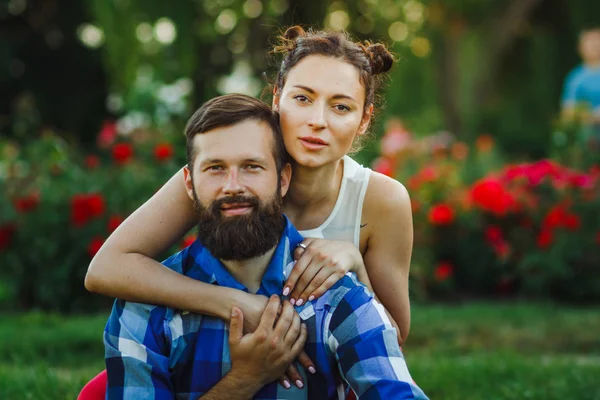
column 505, row 278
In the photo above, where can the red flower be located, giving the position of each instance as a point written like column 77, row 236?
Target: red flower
column 489, row 195
column 27, row 203
column 122, row 153
column 572, row 222
column 493, row 234
column 107, row 134
column 85, row 207
column 187, row 241
column 163, row 151
column 92, row 161
column 113, row 223
column 95, row 246
column 441, row 214
column 443, row 271
column 384, row 166
column 545, row 239
column 501, row 248
column 555, row 217
column 6, row 234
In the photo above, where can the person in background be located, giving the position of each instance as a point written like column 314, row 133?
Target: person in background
column 581, row 91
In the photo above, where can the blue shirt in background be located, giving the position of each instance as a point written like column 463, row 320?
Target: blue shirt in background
column 582, row 85
column 154, row 352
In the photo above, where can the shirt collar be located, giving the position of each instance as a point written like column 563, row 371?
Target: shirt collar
column 272, row 281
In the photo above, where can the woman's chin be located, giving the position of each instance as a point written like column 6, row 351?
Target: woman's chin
column 308, row 160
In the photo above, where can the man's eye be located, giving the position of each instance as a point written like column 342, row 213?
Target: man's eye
column 214, row 168
column 253, row 167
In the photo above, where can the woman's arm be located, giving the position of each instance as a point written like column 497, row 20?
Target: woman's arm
column 124, row 267
column 388, row 213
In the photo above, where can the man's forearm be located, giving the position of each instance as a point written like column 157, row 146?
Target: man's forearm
column 232, row 387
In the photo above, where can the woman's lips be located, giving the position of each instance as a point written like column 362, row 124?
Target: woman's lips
column 313, row 143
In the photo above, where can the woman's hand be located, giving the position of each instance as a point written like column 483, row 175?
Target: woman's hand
column 319, row 267
column 253, row 307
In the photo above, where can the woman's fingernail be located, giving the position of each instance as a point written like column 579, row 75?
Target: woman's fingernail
column 287, row 384
column 311, row 298
column 299, row 384
column 312, row 370
column 299, row 303
column 286, row 291
column 292, row 301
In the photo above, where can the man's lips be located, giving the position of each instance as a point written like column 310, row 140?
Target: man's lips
column 236, row 208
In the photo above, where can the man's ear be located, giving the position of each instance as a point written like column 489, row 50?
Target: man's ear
column 189, row 184
column 276, row 98
column 365, row 121
column 286, row 176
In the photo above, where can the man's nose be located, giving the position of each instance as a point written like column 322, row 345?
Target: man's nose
column 232, row 184
column 317, row 119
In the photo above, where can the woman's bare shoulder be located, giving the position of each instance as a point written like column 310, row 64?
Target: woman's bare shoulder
column 384, row 196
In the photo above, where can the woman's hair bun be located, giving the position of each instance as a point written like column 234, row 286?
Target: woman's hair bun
column 293, row 32
column 380, row 58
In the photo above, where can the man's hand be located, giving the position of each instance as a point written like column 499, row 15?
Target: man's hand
column 253, row 307
column 262, row 357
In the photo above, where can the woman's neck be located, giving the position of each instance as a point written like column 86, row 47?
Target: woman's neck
column 312, row 189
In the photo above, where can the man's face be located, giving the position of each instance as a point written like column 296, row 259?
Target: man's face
column 236, row 192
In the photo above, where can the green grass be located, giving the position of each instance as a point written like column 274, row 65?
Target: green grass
column 476, row 351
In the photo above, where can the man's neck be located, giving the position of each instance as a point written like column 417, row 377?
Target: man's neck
column 592, row 64
column 250, row 272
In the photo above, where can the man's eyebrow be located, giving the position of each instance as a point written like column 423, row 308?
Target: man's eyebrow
column 336, row 96
column 211, row 161
column 257, row 160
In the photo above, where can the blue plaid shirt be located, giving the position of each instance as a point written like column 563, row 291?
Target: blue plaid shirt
column 154, row 352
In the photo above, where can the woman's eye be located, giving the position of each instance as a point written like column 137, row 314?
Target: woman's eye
column 301, row 98
column 342, row 108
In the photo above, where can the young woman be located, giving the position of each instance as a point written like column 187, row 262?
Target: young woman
column 353, row 219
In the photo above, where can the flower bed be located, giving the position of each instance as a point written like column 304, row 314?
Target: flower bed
column 485, row 227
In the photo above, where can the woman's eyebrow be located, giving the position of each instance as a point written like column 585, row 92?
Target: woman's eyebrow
column 336, row 96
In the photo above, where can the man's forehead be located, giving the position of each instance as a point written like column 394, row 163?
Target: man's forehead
column 250, row 140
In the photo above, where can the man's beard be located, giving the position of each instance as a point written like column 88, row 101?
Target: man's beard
column 240, row 237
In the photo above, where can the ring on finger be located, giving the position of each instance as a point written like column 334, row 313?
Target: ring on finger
column 301, row 245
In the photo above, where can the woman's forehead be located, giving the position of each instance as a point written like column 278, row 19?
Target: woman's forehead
column 327, row 76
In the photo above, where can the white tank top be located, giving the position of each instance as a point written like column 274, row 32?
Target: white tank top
column 344, row 221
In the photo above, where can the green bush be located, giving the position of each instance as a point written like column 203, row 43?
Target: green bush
column 61, row 206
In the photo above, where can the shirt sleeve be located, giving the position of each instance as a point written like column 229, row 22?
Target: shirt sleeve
column 367, row 351
column 136, row 353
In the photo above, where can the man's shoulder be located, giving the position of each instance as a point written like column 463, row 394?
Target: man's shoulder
column 348, row 291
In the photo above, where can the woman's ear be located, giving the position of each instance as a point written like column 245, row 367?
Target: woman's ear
column 276, row 97
column 365, row 121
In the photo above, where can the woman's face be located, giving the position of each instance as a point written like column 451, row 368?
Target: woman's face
column 322, row 110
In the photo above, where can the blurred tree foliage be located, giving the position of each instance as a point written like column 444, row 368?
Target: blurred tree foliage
column 467, row 66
